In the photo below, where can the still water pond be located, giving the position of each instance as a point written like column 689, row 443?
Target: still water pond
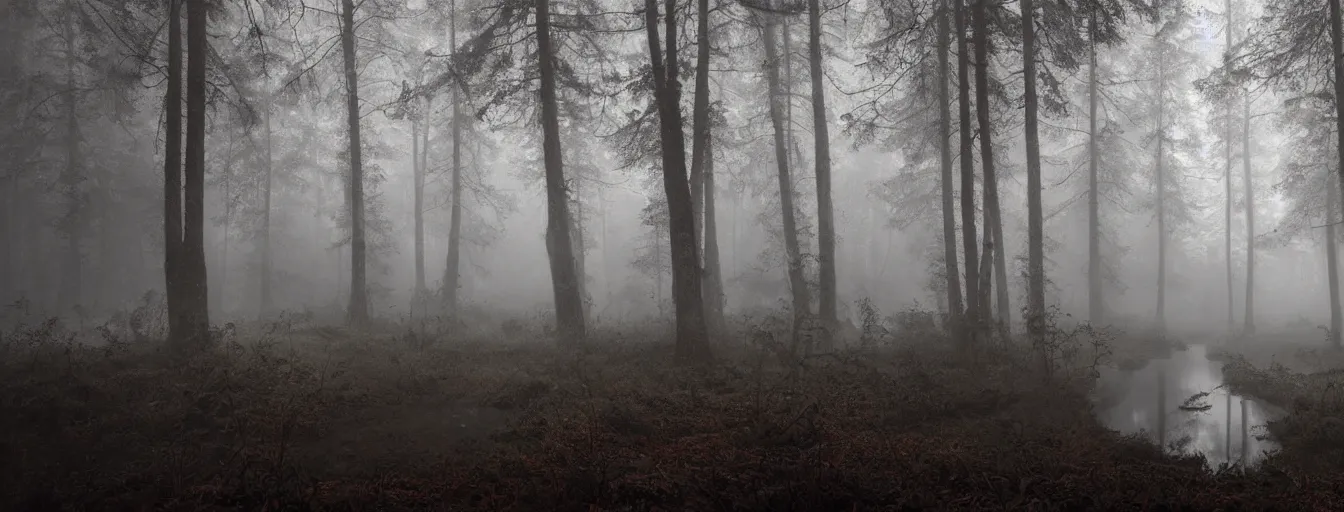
column 1179, row 402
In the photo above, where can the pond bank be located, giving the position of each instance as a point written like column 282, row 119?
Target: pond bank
column 1181, row 403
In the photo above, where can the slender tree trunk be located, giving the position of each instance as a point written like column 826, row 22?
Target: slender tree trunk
column 1160, row 176
column 1337, row 43
column 266, row 192
column 797, row 283
column 197, row 313
column 221, row 290
column 968, row 233
column 700, row 116
column 953, row 274
column 172, row 175
column 452, row 275
column 358, row 314
column 713, row 291
column 692, row 343
column 993, row 221
column 568, row 302
column 1249, row 326
column 658, row 280
column 1035, row 216
column 1161, row 406
column 702, row 179
column 580, row 249
column 1096, row 308
column 990, row 247
column 1332, row 256
column 418, row 174
column 1227, row 178
column 786, row 38
column 825, row 210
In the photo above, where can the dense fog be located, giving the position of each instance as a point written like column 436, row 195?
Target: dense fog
column 671, row 255
column 452, row 86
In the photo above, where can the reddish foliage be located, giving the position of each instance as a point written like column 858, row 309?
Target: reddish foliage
column 616, row 429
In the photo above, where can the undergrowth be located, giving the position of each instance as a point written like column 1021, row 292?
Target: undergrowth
column 297, row 416
column 1311, row 432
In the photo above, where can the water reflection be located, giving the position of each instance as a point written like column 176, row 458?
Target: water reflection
column 1178, row 403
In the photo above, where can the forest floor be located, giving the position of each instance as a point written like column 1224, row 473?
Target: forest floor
column 325, row 419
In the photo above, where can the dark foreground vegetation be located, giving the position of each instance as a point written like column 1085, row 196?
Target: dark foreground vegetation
column 290, row 416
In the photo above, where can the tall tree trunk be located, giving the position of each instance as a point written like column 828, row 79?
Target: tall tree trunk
column 1035, row 217
column 1227, row 176
column 702, row 179
column 692, row 343
column 700, row 116
column 1332, row 255
column 953, row 274
column 825, row 210
column 418, row 175
column 1337, row 43
column 196, row 321
column 1160, row 177
column 564, row 281
column 1161, row 406
column 1096, row 308
column 1249, row 326
column 968, row 233
column 358, row 314
column 580, row 250
column 220, row 291
column 452, row 274
column 266, row 192
column 993, row 221
column 786, row 37
column 713, row 291
column 797, row 283
column 172, row 175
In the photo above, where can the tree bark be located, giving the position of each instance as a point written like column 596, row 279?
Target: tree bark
column 700, row 117
column 196, row 315
column 993, row 220
column 1035, row 218
column 702, row 179
column 265, row 305
column 953, row 274
column 172, row 175
column 1160, row 176
column 580, row 249
column 1248, row 326
column 358, row 314
column 825, row 209
column 692, row 344
column 713, row 291
column 797, row 284
column 1337, row 43
column 968, row 232
column 418, row 175
column 568, row 303
column 1332, row 256
column 1227, row 178
column 452, row 275
column 1096, row 308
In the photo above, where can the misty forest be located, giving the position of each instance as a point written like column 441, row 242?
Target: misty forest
column 661, row 255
